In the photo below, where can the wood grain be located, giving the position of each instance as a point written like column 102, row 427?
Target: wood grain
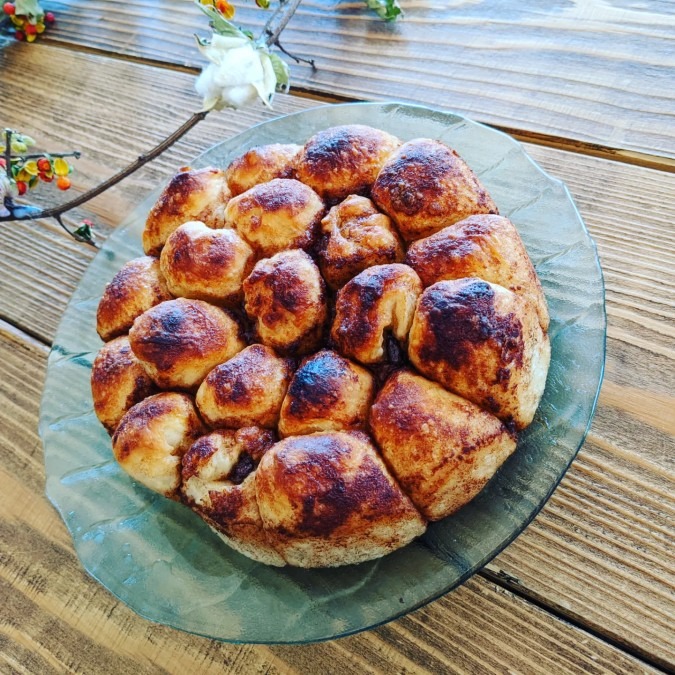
column 598, row 554
column 55, row 618
column 599, row 71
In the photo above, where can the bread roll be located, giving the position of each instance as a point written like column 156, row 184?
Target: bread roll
column 276, row 216
column 200, row 194
column 262, row 164
column 426, row 186
column 118, row 381
column 218, row 474
column 484, row 246
column 180, row 341
column 356, row 236
column 344, row 160
column 286, row 296
column 152, row 438
column 380, row 299
column 483, row 342
column 245, row 391
column 327, row 499
column 441, row 448
column 327, row 393
column 137, row 286
column 204, row 264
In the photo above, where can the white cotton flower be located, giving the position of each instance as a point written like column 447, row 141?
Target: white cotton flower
column 238, row 73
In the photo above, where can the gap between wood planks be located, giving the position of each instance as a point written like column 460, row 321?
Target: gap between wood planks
column 23, row 338
column 635, row 158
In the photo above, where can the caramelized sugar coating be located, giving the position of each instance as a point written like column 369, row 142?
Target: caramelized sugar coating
column 245, row 391
column 180, row 341
column 380, row 299
column 118, row 382
column 483, row 342
column 344, row 160
column 204, row 264
column 260, row 165
column 327, row 393
column 200, row 194
column 276, row 216
column 219, row 484
column 327, row 499
column 286, row 296
column 356, row 236
column 153, row 436
column 137, row 286
column 426, row 186
column 484, row 246
column 441, row 448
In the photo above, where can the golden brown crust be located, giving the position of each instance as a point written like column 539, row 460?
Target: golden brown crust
column 484, row 246
column 180, row 341
column 276, row 216
column 379, row 299
column 190, row 195
column 327, row 393
column 153, row 436
column 286, row 296
column 245, row 391
column 441, row 448
column 344, row 160
column 426, row 186
column 327, row 499
column 204, row 264
column 137, row 286
column 118, row 382
column 483, row 342
column 262, row 164
column 356, row 236
column 219, row 484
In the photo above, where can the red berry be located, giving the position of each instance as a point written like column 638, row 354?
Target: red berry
column 30, row 29
column 21, row 187
column 63, row 183
column 3, row 163
column 46, row 177
column 43, row 164
column 9, row 8
column 20, row 35
column 49, row 17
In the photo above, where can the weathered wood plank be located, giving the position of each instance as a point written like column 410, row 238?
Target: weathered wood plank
column 600, row 72
column 55, row 618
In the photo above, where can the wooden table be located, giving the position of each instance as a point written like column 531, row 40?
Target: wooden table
column 589, row 85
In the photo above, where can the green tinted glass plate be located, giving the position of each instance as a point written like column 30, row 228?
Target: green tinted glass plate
column 165, row 563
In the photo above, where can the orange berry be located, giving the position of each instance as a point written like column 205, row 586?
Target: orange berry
column 43, row 164
column 63, row 183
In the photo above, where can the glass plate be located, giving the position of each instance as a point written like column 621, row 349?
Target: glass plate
column 164, row 562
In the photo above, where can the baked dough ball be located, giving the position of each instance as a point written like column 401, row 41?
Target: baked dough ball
column 276, row 216
column 441, row 448
column 200, row 194
column 484, row 246
column 426, row 186
column 153, row 436
column 245, row 391
column 380, row 299
column 344, row 160
column 327, row 499
column 180, row 341
column 219, row 484
column 327, row 393
column 137, row 286
column 118, row 381
column 260, row 165
column 206, row 264
column 286, row 296
column 356, row 236
column 483, row 342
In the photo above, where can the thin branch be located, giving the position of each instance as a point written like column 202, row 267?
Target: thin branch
column 297, row 59
column 8, row 152
column 76, row 154
column 277, row 22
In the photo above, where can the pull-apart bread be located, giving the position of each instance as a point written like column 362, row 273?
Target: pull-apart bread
column 325, row 347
